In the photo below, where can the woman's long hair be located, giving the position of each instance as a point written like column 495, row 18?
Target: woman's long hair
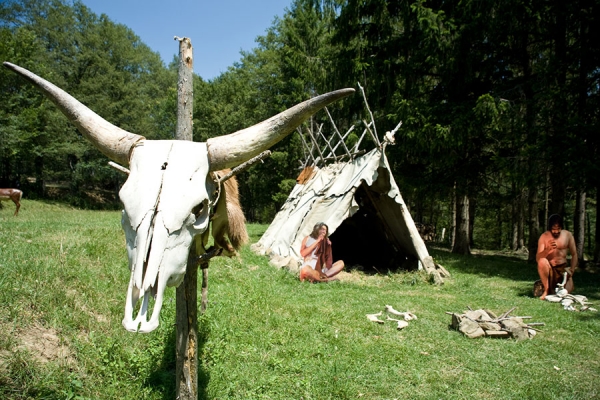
column 315, row 232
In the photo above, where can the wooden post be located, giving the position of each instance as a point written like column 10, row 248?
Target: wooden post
column 186, row 371
column 185, row 90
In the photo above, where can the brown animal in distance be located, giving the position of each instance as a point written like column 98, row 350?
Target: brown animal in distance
column 14, row 195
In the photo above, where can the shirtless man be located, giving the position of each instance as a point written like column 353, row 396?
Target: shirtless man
column 551, row 256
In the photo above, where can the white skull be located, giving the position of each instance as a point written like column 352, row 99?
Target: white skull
column 166, row 201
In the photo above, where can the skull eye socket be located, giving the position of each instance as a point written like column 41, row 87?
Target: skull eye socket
column 199, row 208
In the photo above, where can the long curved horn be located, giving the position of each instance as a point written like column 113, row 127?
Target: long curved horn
column 233, row 149
column 111, row 140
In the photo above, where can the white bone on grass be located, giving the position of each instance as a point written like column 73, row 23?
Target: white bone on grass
column 401, row 323
column 408, row 316
column 373, row 317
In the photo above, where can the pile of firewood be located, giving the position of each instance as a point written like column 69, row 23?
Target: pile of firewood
column 478, row 323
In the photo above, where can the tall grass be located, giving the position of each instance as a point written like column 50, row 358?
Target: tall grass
column 64, row 274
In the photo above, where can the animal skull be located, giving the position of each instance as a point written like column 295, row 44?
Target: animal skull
column 168, row 195
column 163, row 212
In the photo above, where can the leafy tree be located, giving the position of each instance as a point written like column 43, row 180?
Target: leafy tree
column 102, row 64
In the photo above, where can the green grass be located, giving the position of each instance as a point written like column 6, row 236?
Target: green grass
column 265, row 335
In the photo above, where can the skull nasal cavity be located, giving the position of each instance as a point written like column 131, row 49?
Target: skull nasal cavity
column 164, row 166
column 198, row 209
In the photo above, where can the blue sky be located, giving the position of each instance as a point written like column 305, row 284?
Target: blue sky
column 219, row 29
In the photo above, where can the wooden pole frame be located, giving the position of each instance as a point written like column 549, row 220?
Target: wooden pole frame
column 186, row 370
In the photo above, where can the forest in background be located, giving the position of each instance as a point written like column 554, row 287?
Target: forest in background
column 499, row 102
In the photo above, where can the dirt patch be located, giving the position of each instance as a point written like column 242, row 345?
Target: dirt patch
column 44, row 345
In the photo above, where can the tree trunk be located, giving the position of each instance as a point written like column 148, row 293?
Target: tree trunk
column 461, row 235
column 533, row 223
column 547, row 197
column 185, row 91
column 558, row 189
column 586, row 65
column 186, row 370
column 514, row 244
column 472, row 205
column 588, row 233
column 597, row 228
column 521, row 222
column 558, row 121
column 579, row 225
column 499, row 226
column 452, row 231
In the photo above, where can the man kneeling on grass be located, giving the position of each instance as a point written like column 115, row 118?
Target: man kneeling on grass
column 551, row 257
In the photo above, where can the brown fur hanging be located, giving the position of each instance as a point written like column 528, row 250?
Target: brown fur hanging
column 229, row 219
column 306, row 175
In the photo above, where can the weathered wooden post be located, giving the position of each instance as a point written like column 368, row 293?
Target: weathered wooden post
column 186, row 374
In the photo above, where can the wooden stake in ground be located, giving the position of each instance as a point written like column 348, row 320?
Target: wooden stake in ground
column 186, row 371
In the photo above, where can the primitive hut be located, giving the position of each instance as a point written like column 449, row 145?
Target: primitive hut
column 357, row 197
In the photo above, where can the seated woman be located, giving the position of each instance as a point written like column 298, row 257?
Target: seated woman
column 316, row 251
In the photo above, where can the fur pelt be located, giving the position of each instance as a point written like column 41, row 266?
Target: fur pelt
column 228, row 222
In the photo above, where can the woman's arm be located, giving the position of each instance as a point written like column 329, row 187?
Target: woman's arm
column 328, row 256
column 307, row 251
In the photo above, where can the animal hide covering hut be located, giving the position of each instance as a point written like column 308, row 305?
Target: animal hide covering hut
column 369, row 223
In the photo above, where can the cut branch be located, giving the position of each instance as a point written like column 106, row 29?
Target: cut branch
column 118, row 167
column 244, row 166
column 337, row 131
column 362, row 90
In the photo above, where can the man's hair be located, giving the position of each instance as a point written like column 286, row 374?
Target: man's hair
column 555, row 219
column 315, row 232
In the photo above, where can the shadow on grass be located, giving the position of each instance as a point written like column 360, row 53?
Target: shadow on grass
column 516, row 268
column 588, row 316
column 504, row 265
column 163, row 379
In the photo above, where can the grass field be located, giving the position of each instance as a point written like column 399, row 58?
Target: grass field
column 265, row 335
